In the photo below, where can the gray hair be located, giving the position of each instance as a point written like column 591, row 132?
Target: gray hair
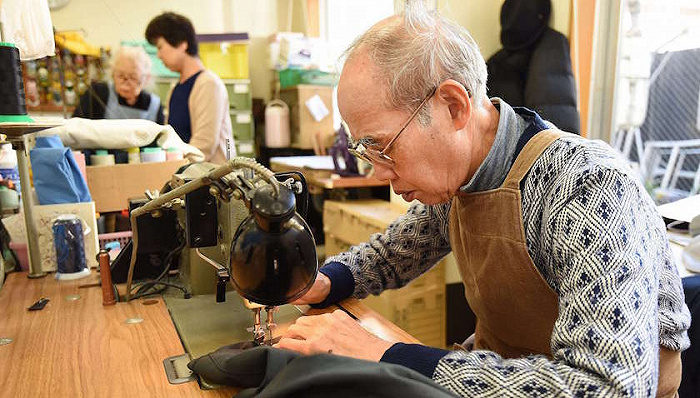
column 139, row 57
column 417, row 50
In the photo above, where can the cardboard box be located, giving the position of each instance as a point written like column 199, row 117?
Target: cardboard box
column 418, row 308
column 304, row 128
column 112, row 186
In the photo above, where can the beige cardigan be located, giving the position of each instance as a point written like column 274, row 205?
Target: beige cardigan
column 209, row 118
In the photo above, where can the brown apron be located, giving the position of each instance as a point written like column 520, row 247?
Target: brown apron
column 514, row 306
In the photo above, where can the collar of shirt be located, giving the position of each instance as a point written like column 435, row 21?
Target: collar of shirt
column 493, row 170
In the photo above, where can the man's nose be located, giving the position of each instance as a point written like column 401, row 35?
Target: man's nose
column 384, row 172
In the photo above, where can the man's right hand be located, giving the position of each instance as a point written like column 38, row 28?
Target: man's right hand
column 318, row 292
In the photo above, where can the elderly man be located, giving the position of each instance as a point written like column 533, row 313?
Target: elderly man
column 563, row 257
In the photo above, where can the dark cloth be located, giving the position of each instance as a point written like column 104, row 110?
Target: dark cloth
column 179, row 109
column 690, row 383
column 267, row 372
column 92, row 104
column 534, row 67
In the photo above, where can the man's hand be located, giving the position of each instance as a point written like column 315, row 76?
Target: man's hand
column 318, row 292
column 335, row 333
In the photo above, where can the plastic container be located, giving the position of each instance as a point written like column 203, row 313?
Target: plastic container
column 173, row 154
column 101, row 158
column 293, row 77
column 20, row 249
column 227, row 60
column 121, row 237
column 80, row 159
column 277, row 125
column 152, row 154
column 8, row 165
column 134, row 155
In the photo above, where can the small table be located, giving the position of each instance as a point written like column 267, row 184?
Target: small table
column 320, row 173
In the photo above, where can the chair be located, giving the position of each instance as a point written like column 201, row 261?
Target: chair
column 665, row 163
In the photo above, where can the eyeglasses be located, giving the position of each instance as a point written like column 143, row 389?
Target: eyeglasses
column 374, row 156
column 126, row 78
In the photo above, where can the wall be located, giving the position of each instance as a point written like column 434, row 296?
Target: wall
column 108, row 23
column 482, row 19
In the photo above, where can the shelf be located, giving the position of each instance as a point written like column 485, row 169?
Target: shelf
column 50, row 108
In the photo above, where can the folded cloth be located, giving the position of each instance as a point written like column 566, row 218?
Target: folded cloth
column 27, row 24
column 79, row 133
column 267, row 372
column 57, row 177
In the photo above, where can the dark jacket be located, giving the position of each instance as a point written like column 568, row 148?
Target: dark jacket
column 534, row 67
column 266, row 372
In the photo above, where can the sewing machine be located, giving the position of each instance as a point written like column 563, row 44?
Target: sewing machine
column 240, row 225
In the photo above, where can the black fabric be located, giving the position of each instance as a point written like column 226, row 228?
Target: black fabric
column 534, row 67
column 690, row 382
column 267, row 372
column 92, row 104
column 523, row 22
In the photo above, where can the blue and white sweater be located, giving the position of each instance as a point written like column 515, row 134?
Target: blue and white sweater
column 595, row 236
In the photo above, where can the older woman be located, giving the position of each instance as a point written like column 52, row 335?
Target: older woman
column 125, row 98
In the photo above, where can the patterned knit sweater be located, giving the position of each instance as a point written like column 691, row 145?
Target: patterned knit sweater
column 593, row 233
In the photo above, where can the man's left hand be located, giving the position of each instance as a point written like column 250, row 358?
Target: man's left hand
column 333, row 333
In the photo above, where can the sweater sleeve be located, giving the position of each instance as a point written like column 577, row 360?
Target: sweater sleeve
column 208, row 108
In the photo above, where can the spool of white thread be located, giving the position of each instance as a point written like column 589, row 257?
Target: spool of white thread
column 101, row 158
column 150, row 155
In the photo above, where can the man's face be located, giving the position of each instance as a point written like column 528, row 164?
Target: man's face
column 172, row 57
column 425, row 163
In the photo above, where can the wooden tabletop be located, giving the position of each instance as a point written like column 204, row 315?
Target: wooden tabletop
column 326, row 179
column 82, row 349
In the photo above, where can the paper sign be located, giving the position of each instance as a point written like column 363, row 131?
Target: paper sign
column 317, row 108
column 240, row 88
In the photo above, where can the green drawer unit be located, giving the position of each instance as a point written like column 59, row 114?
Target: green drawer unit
column 240, row 97
column 161, row 88
column 245, row 148
column 242, row 124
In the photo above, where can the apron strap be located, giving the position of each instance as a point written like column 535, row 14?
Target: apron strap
column 529, row 154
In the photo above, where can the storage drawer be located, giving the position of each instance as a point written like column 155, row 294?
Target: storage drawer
column 239, row 95
column 242, row 125
column 245, row 148
column 161, row 88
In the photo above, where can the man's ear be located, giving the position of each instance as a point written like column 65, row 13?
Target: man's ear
column 458, row 102
column 183, row 46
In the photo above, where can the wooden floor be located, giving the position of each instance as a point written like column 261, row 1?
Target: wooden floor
column 82, row 349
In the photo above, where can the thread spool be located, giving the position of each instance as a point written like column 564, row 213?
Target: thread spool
column 101, row 158
column 12, row 102
column 173, row 154
column 108, row 297
column 134, row 155
column 152, row 154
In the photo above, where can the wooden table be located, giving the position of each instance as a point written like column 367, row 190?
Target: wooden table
column 323, row 177
column 82, row 349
